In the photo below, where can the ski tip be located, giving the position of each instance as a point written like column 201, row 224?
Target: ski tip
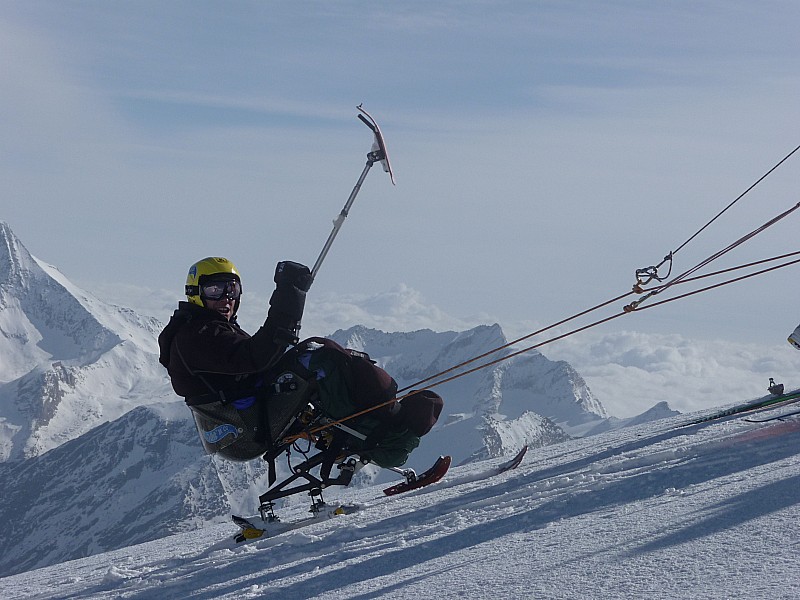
column 432, row 475
column 514, row 462
column 347, row 509
column 520, row 454
column 247, row 531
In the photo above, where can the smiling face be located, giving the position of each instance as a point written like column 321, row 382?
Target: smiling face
column 224, row 306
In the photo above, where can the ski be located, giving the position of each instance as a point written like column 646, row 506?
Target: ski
column 250, row 531
column 378, row 152
column 513, row 463
column 508, row 465
column 413, row 481
column 776, row 418
column 769, row 402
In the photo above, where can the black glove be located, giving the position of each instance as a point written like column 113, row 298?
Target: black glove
column 294, row 274
column 292, row 281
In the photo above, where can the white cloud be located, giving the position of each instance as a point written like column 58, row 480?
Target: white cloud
column 630, row 371
column 398, row 309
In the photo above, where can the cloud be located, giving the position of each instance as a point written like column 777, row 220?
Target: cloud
column 629, row 371
column 399, row 309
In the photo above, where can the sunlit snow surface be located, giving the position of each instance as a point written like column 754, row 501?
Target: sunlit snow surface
column 653, row 511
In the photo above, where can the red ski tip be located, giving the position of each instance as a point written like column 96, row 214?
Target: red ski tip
column 432, row 475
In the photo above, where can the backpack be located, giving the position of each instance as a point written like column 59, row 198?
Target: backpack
column 349, row 382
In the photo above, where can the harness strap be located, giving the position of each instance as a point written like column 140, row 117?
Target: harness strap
column 233, row 395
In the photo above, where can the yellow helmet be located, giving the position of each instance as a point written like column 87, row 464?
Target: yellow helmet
column 212, row 265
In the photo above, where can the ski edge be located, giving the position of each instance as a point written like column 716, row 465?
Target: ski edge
column 775, row 418
column 250, row 531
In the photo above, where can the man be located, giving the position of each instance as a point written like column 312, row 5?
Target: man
column 244, row 390
column 204, row 349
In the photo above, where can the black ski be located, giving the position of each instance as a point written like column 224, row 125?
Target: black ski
column 775, row 418
column 513, row 463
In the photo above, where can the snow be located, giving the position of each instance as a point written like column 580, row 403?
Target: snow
column 656, row 510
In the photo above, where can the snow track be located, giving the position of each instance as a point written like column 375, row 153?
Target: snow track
column 708, row 511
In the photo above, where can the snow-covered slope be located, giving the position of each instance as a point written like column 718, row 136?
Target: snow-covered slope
column 653, row 511
column 147, row 470
column 127, row 481
column 69, row 361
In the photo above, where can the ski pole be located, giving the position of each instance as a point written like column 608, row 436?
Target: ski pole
column 376, row 154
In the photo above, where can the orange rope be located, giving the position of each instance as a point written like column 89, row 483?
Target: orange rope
column 559, row 337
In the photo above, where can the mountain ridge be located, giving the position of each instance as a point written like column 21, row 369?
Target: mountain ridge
column 70, row 361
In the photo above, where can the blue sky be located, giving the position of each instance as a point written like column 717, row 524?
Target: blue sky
column 543, row 150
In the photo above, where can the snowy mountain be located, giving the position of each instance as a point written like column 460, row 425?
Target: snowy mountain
column 90, row 430
column 69, row 361
column 138, row 477
column 127, row 481
column 660, row 510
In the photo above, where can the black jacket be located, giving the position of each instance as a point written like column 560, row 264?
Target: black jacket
column 205, row 353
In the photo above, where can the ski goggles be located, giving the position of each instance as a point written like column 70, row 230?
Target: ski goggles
column 216, row 290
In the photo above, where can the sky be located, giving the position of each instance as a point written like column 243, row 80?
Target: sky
column 543, row 150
